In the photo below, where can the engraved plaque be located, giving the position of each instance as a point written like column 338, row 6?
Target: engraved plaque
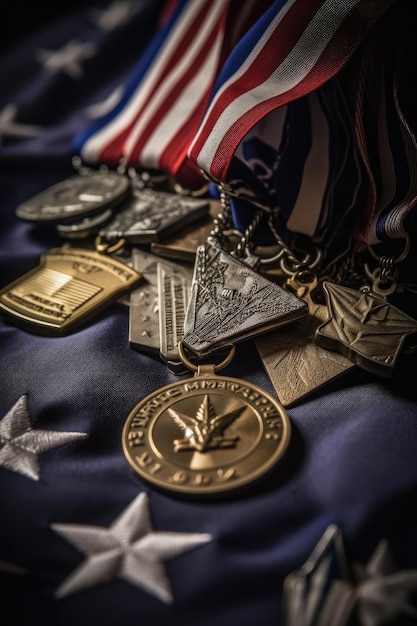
column 65, row 290
column 144, row 332
column 230, row 302
column 174, row 286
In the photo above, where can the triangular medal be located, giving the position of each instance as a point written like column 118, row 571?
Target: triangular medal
column 230, row 302
column 365, row 328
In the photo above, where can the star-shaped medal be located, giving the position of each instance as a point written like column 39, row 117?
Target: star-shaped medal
column 330, row 589
column 129, row 549
column 365, row 328
column 20, row 444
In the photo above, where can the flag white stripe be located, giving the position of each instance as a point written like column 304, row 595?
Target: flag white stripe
column 175, row 76
column 181, row 109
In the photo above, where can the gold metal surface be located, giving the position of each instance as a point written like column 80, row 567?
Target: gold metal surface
column 206, row 436
column 295, row 364
column 68, row 287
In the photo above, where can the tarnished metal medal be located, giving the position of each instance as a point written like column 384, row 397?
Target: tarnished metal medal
column 77, row 197
column 174, row 287
column 157, row 304
column 206, row 436
column 151, row 215
column 365, row 328
column 68, row 287
column 295, row 363
column 230, row 302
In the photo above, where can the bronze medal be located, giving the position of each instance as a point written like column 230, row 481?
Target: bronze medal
column 205, row 436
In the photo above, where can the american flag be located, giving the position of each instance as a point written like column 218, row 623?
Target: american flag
column 82, row 538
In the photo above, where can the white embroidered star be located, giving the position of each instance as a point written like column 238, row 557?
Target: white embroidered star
column 10, row 128
column 20, row 444
column 116, row 14
column 68, row 59
column 100, row 109
column 129, row 549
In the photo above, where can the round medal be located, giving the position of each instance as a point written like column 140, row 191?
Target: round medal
column 75, row 198
column 206, row 435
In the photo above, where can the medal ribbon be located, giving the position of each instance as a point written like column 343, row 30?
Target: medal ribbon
column 388, row 147
column 157, row 118
column 293, row 50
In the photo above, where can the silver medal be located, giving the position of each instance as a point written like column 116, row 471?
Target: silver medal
column 152, row 215
column 76, row 197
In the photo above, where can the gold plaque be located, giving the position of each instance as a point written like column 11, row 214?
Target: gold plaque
column 68, row 287
column 206, row 436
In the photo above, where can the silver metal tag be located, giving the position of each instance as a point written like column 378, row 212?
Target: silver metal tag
column 151, row 215
column 144, row 318
column 174, row 285
column 230, row 302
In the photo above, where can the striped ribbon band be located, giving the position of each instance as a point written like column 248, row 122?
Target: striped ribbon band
column 154, row 123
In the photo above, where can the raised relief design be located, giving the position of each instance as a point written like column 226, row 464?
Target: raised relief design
column 65, row 290
column 206, row 430
column 230, row 302
column 295, row 364
column 367, row 329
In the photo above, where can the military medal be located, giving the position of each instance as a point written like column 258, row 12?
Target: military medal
column 295, row 363
column 365, row 328
column 230, row 302
column 68, row 287
column 76, row 198
column 151, row 215
column 206, row 436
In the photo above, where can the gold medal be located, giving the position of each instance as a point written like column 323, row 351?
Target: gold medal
column 206, row 435
column 68, row 287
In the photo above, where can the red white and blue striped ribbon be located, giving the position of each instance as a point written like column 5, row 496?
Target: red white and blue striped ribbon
column 153, row 125
column 291, row 51
column 387, row 144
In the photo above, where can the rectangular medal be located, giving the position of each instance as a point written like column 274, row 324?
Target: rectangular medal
column 174, row 285
column 144, row 316
column 69, row 286
column 295, row 364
